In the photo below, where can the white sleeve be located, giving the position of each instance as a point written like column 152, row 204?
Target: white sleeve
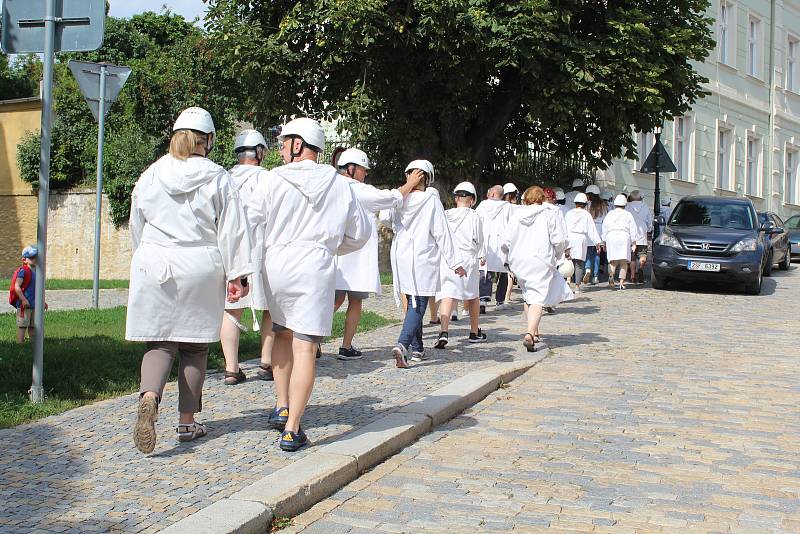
column 233, row 235
column 375, row 200
column 358, row 229
column 440, row 231
column 480, row 238
column 136, row 221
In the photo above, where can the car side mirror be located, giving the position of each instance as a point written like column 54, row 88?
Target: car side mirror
column 767, row 227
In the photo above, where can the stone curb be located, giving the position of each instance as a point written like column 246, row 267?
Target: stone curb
column 295, row 488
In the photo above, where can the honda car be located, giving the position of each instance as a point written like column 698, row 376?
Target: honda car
column 713, row 239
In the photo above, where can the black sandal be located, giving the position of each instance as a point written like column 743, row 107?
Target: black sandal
column 530, row 345
column 265, row 373
column 231, row 378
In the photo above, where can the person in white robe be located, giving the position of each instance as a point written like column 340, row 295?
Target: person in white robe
column 644, row 222
column 577, row 187
column 535, row 239
column 421, row 242
column 494, row 216
column 466, row 228
column 191, row 247
column 582, row 233
column 619, row 234
column 357, row 273
column 310, row 214
column 249, row 147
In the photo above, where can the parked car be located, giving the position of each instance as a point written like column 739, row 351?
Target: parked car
column 779, row 250
column 715, row 239
column 792, row 228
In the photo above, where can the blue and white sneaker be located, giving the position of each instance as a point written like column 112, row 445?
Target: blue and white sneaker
column 278, row 417
column 293, row 441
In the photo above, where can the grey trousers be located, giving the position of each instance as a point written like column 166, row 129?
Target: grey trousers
column 157, row 364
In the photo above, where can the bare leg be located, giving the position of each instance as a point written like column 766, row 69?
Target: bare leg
column 229, row 339
column 351, row 321
column 474, row 307
column 302, row 381
column 434, row 309
column 632, row 266
column 612, row 269
column 282, row 365
column 534, row 318
column 20, row 335
column 338, row 301
column 267, row 338
column 509, row 288
column 622, row 269
column 445, row 309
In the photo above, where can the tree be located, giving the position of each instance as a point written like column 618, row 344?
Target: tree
column 464, row 81
column 20, row 78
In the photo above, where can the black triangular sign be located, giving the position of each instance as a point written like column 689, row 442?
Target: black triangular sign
column 664, row 161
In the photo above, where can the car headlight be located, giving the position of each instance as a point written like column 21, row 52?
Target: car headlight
column 669, row 240
column 745, row 245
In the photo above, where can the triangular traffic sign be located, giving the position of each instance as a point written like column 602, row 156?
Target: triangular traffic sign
column 665, row 163
column 87, row 75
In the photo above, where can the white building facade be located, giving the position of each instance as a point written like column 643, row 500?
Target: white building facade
column 744, row 138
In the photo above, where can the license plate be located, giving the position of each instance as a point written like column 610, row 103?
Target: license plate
column 701, row 266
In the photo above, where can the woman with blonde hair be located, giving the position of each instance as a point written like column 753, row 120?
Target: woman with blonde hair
column 535, row 238
column 191, row 248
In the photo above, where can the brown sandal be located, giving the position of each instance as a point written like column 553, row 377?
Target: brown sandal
column 265, row 373
column 231, row 379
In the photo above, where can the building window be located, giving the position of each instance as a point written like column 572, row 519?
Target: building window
column 790, row 177
column 753, row 32
column 725, row 32
column 753, row 169
column 724, row 137
column 682, row 152
column 644, row 144
column 791, row 65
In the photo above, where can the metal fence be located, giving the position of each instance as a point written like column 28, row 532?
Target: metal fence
column 531, row 167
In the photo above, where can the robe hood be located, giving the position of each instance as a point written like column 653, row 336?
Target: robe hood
column 184, row 176
column 527, row 215
column 456, row 216
column 491, row 208
column 310, row 178
column 242, row 173
column 413, row 204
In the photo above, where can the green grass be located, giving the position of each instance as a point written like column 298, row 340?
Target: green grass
column 386, row 279
column 62, row 283
column 87, row 359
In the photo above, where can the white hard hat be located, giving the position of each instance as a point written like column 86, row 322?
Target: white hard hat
column 194, row 118
column 353, row 155
column 606, row 195
column 466, row 187
column 577, row 182
column 510, row 188
column 581, row 198
column 666, row 201
column 567, row 269
column 560, row 194
column 621, row 200
column 249, row 139
column 423, row 165
column 307, row 129
column 592, row 189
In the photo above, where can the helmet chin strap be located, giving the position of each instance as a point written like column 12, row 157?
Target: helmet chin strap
column 292, row 153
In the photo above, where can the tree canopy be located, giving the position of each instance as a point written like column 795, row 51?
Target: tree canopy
column 462, row 82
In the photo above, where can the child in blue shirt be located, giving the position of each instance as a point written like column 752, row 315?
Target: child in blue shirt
column 25, row 289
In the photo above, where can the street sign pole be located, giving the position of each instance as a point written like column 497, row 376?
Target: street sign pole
column 97, row 215
column 37, row 389
column 657, row 191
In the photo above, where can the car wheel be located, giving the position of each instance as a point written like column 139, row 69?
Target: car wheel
column 768, row 266
column 753, row 287
column 658, row 282
column 787, row 260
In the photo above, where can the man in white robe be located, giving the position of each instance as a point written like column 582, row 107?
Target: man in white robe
column 620, row 234
column 494, row 215
column 644, row 222
column 582, row 234
column 310, row 214
column 357, row 273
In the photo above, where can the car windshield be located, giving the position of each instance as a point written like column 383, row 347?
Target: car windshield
column 735, row 216
column 793, row 223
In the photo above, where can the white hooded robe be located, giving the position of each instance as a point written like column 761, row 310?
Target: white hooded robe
column 494, row 215
column 643, row 217
column 619, row 233
column 466, row 227
column 310, row 215
column 190, row 237
column 581, row 231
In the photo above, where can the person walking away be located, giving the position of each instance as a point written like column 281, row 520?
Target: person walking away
column 357, row 273
column 619, row 234
column 561, row 201
column 421, row 242
column 22, row 294
column 536, row 237
column 494, row 217
column 581, row 233
column 577, row 187
column 249, row 147
column 644, row 222
column 310, row 215
column 594, row 254
column 550, row 202
column 466, row 228
column 190, row 241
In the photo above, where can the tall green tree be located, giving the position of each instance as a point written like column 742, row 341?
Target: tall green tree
column 464, row 81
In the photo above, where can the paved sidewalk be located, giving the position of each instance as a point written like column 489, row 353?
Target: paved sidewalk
column 681, row 415
column 78, row 299
column 79, row 471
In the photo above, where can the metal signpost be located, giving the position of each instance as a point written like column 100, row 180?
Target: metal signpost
column 100, row 84
column 47, row 27
column 658, row 161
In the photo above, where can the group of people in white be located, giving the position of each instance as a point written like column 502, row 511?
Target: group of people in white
column 295, row 241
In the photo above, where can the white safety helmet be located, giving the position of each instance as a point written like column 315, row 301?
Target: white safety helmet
column 666, row 201
column 593, row 189
column 581, row 198
column 248, row 139
column 194, row 118
column 465, row 187
column 309, row 130
column 355, row 156
column 423, row 165
column 577, row 182
column 510, row 188
column 621, row 200
column 560, row 194
column 567, row 269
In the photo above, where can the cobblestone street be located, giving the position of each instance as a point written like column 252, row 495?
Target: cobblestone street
column 658, row 411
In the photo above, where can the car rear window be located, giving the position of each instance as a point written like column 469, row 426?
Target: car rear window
column 735, row 216
column 793, row 223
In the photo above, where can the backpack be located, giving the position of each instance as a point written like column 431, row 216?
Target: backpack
column 26, row 281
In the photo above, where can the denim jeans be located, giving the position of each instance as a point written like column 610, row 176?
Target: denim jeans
column 593, row 261
column 411, row 333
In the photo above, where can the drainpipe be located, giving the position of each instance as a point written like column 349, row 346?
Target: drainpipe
column 771, row 158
